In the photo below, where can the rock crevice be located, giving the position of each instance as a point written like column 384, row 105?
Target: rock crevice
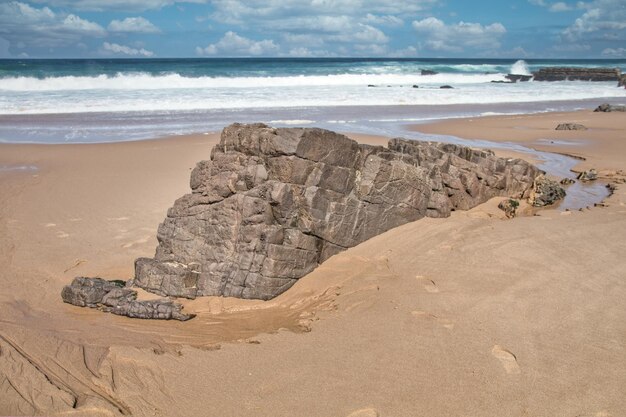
column 272, row 204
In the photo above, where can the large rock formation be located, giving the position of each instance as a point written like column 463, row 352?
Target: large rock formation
column 577, row 74
column 272, row 204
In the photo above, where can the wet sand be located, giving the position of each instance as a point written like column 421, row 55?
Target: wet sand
column 472, row 315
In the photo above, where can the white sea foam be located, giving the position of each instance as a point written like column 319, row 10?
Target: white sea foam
column 171, row 93
column 520, row 68
column 291, row 122
column 176, row 81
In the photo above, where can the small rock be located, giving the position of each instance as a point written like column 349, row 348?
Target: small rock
column 545, row 192
column 416, row 86
column 608, row 108
column 571, row 126
column 446, row 87
column 371, row 85
column 509, row 207
column 567, row 181
column 429, row 72
column 590, row 175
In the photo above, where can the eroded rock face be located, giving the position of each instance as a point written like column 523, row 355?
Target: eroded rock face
column 272, row 204
column 114, row 297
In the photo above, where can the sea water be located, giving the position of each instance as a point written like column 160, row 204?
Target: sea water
column 55, row 101
column 109, row 100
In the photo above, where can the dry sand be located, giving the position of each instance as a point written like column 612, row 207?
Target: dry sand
column 466, row 316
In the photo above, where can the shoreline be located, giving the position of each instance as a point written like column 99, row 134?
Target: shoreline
column 448, row 315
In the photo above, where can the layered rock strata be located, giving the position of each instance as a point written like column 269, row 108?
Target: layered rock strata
column 577, row 74
column 272, row 204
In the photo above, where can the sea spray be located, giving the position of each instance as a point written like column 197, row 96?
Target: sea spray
column 520, row 68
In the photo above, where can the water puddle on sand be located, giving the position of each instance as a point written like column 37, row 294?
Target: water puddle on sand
column 18, row 168
column 579, row 195
column 560, row 142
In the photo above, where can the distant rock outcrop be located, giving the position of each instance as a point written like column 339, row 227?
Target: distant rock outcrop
column 429, row 72
column 272, row 204
column 570, row 126
column 577, row 74
column 114, row 297
column 607, row 108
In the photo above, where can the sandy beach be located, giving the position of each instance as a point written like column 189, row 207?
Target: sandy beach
column 472, row 315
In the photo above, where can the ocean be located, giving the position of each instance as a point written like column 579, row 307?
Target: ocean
column 78, row 101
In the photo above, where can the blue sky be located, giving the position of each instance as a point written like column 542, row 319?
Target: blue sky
column 313, row 28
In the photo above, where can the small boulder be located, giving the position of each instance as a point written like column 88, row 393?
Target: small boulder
column 509, row 207
column 446, row 87
column 608, row 108
column 567, row 181
column 571, row 126
column 416, row 86
column 429, row 72
column 545, row 192
column 587, row 176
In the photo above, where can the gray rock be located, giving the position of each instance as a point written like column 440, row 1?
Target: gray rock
column 545, row 192
column 446, row 87
column 113, row 297
column 272, row 204
column 570, row 126
column 607, row 108
column 587, row 176
column 577, row 74
column 429, row 72
column 567, row 181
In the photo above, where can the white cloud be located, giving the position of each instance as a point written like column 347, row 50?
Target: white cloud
column 602, row 17
column 361, row 33
column 459, row 36
column 384, row 20
column 125, row 5
column 614, row 53
column 232, row 44
column 27, row 26
column 133, row 25
column 76, row 24
column 118, row 49
column 560, row 7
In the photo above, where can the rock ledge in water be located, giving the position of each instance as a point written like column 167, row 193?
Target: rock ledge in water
column 272, row 204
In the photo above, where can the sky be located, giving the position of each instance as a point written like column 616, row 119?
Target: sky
column 312, row 28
